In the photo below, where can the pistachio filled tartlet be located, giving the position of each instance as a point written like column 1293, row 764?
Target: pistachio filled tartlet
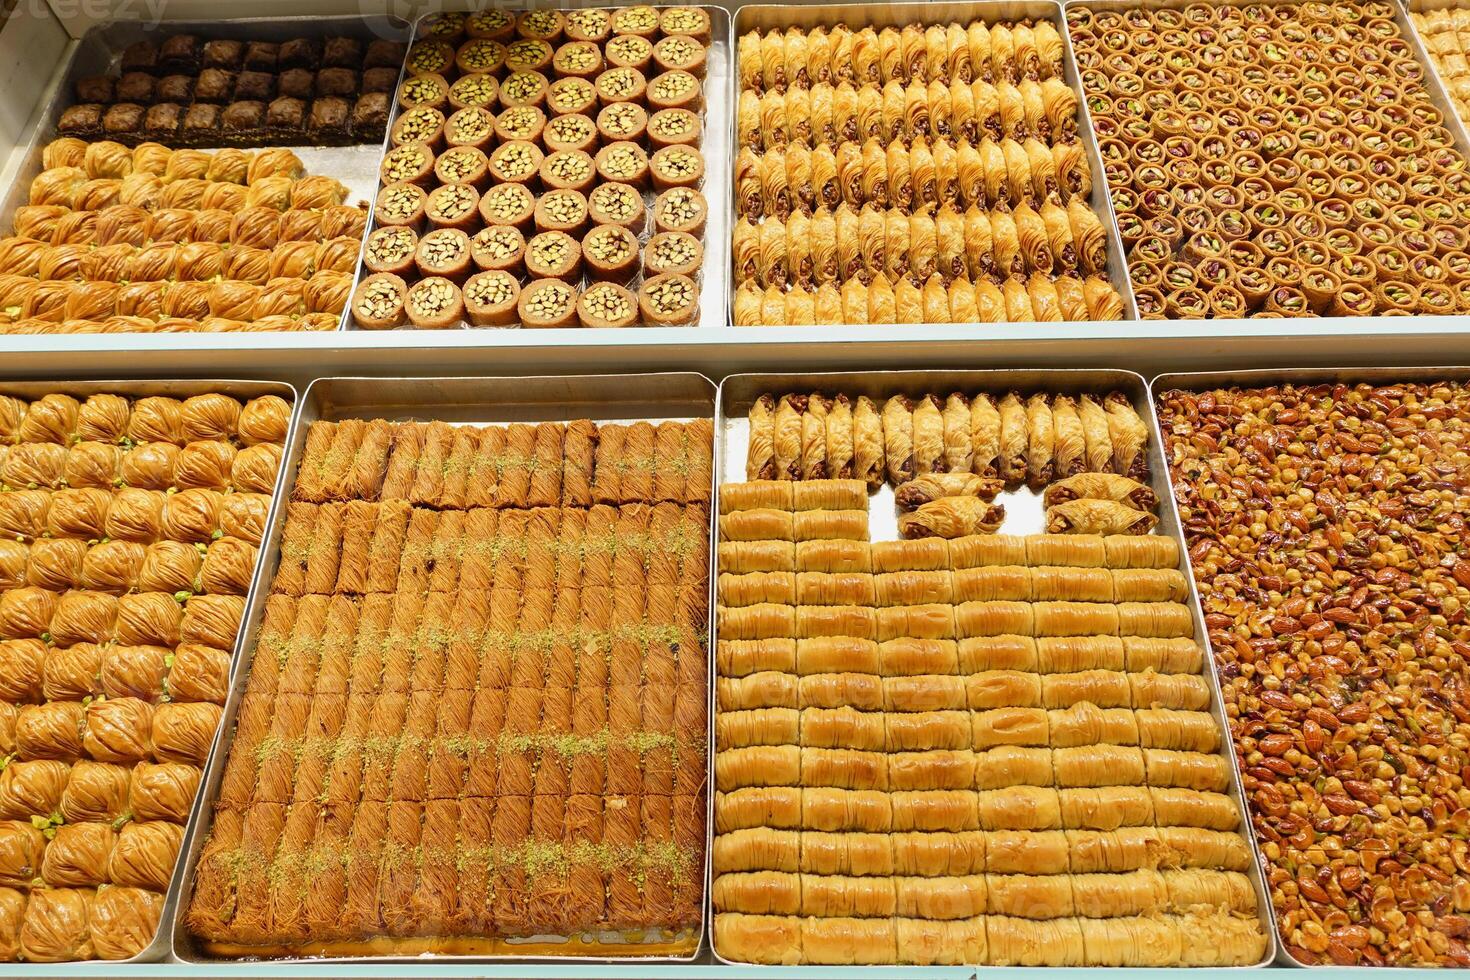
column 490, row 299
column 606, row 304
column 610, row 253
column 668, row 300
column 548, row 303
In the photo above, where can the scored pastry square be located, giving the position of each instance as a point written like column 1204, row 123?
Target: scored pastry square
column 479, row 690
column 986, row 750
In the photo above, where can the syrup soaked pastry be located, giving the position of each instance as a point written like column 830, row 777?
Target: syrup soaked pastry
column 397, row 530
column 134, row 526
column 964, row 747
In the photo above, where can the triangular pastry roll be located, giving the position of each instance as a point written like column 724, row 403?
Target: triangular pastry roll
column 756, row 849
column 1029, row 896
column 1083, row 550
column 1187, row 888
column 939, row 854
column 1193, row 847
column 829, row 809
column 1103, row 896
column 933, row 769
column 756, row 587
column 995, row 618
column 926, row 942
column 736, row 658
column 844, row 768
column 833, row 556
column 841, row 728
column 834, row 589
column 848, row 941
column 902, row 556
column 916, row 731
column 757, row 893
column 1176, row 655
column 1192, row 808
column 757, row 726
column 1140, row 941
column 1099, row 765
column 1106, row 807
column 838, row 896
column 1005, row 652
column 1189, row 770
column 991, row 584
column 1167, row 619
column 1003, row 689
column 913, row 588
column 1104, row 688
column 1188, row 692
column 834, row 690
column 763, row 765
column 1080, row 619
column 836, row 654
column 1187, row 731
column 948, row 810
column 907, row 656
column 951, row 897
column 1019, row 808
column 1066, row 654
column 1010, row 726
column 774, row 939
column 1084, row 723
column 1133, row 551
column 855, row 621
column 1072, row 584
column 758, row 806
column 1149, row 585
column 1012, row 765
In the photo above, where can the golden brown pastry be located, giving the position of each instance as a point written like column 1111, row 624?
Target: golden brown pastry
column 952, row 517
column 1102, row 486
column 924, row 489
column 1090, row 516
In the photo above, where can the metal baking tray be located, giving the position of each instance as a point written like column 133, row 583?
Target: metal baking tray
column 715, row 144
column 243, row 390
column 766, row 17
column 1258, row 378
column 1024, row 513
column 98, row 52
column 1432, row 82
column 458, row 401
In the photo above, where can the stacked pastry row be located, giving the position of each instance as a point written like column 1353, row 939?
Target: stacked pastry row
column 477, row 707
column 1245, row 185
column 525, row 147
column 131, row 529
column 959, row 113
column 835, row 156
column 188, row 91
column 152, row 239
column 993, row 750
column 1442, row 32
column 1015, row 439
column 780, row 60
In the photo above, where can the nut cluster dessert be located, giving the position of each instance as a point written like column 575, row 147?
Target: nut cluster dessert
column 1276, row 160
column 968, row 133
column 1326, row 527
column 148, row 239
column 537, row 134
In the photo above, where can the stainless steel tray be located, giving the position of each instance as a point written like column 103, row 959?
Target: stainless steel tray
column 458, row 401
column 716, row 145
column 1264, row 377
column 244, row 390
column 98, row 52
column 764, row 17
column 1432, row 82
column 738, row 393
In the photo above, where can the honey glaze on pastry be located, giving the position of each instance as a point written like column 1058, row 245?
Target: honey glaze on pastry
column 963, row 747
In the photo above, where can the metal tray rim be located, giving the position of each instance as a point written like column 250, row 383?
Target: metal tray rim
column 182, row 946
column 1169, row 524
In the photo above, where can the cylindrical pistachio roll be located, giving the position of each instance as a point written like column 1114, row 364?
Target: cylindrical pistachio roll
column 378, row 302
